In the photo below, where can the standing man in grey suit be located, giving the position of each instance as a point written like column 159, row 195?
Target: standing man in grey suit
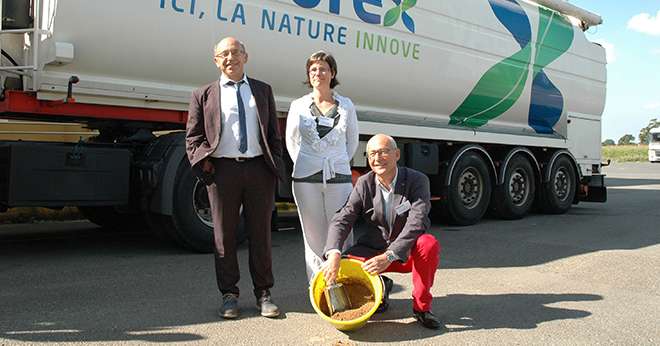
column 394, row 203
column 233, row 145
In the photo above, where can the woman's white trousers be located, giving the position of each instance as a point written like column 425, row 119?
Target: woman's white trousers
column 316, row 207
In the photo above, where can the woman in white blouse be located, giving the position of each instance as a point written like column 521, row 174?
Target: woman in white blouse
column 321, row 138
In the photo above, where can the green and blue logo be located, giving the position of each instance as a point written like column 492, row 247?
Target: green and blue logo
column 501, row 86
column 400, row 10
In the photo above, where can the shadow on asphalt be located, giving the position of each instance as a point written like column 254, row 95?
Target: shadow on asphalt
column 628, row 220
column 631, row 182
column 463, row 312
column 86, row 285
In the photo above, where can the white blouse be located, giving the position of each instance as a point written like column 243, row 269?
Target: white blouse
column 331, row 154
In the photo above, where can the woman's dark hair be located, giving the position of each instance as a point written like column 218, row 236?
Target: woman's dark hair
column 329, row 59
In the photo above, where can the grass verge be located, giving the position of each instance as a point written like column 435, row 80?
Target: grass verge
column 626, row 153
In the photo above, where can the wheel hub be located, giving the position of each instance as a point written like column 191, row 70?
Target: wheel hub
column 518, row 188
column 201, row 204
column 561, row 184
column 470, row 188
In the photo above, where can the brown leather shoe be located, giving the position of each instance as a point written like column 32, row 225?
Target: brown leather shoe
column 427, row 319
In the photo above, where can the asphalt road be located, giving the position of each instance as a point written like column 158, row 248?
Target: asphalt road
column 587, row 277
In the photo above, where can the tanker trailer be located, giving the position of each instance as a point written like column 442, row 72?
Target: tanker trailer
column 499, row 102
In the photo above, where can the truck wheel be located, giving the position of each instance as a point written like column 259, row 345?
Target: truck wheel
column 515, row 197
column 191, row 220
column 110, row 218
column 557, row 194
column 469, row 190
column 160, row 226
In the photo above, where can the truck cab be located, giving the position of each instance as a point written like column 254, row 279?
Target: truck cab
column 654, row 145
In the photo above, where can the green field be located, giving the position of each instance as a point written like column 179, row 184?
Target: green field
column 626, row 153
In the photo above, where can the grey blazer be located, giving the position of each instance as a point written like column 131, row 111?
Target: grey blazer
column 365, row 202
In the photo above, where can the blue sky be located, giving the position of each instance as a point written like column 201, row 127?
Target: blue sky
column 631, row 32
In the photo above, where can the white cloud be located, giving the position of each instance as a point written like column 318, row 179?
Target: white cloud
column 645, row 23
column 609, row 49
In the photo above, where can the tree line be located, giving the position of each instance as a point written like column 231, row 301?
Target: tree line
column 644, row 135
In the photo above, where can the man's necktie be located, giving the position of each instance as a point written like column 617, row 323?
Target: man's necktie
column 242, row 127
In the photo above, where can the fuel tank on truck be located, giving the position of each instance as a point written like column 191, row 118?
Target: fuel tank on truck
column 495, row 66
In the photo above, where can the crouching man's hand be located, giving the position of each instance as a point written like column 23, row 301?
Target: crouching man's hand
column 376, row 264
column 331, row 267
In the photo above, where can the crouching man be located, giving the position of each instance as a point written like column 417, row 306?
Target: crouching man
column 394, row 203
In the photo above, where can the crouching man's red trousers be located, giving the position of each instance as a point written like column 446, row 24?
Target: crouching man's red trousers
column 422, row 262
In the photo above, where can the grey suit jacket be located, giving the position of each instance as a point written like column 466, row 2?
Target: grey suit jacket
column 205, row 125
column 366, row 202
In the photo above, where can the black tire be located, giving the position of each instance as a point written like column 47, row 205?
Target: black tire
column 515, row 197
column 161, row 226
column 469, row 190
column 437, row 213
column 556, row 196
column 112, row 219
column 191, row 224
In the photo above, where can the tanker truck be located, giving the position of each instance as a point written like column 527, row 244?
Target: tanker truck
column 499, row 102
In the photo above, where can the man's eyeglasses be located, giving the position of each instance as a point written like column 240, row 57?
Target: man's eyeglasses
column 382, row 152
column 225, row 53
